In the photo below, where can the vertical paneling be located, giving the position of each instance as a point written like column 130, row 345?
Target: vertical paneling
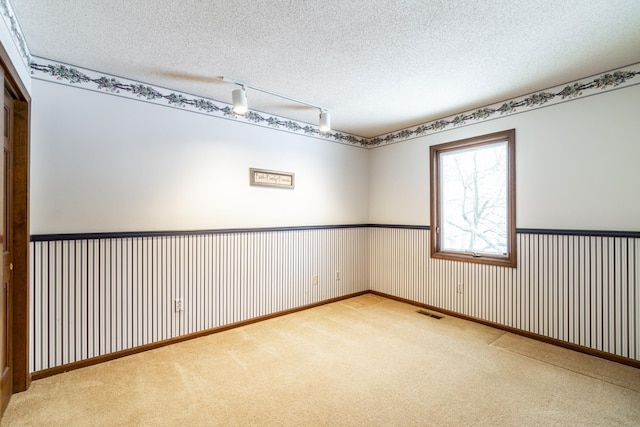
column 580, row 289
column 95, row 296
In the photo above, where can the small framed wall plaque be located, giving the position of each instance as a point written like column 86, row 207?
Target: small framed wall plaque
column 270, row 178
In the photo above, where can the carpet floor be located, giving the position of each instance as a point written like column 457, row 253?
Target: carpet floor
column 365, row 361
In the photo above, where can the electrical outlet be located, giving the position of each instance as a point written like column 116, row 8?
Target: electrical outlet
column 460, row 288
column 314, row 279
column 178, row 304
column 337, row 275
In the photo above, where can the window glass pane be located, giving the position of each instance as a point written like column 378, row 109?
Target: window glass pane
column 474, row 185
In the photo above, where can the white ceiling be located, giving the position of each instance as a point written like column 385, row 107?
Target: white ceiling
column 377, row 65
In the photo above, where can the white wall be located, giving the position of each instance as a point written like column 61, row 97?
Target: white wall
column 102, row 163
column 577, row 166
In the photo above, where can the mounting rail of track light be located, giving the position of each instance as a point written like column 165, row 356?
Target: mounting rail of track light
column 241, row 106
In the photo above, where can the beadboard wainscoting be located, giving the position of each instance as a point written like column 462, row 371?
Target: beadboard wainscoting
column 93, row 295
column 582, row 288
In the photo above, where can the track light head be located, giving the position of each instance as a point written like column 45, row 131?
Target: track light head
column 240, row 105
column 325, row 121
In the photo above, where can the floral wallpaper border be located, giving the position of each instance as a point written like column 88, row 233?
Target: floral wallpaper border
column 556, row 95
column 11, row 21
column 54, row 71
column 57, row 72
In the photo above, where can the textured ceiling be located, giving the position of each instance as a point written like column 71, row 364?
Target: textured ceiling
column 378, row 66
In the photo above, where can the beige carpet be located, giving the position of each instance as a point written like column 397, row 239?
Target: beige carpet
column 367, row 361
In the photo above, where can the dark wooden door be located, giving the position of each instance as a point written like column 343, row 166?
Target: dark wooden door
column 6, row 266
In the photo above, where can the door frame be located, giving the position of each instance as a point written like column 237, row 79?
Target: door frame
column 20, row 223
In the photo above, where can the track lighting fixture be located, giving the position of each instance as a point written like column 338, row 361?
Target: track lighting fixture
column 325, row 121
column 240, row 105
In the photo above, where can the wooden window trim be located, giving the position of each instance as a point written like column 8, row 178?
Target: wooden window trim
column 509, row 260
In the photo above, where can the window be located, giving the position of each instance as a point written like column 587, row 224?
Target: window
column 473, row 206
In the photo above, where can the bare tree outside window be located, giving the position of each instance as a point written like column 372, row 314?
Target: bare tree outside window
column 474, row 202
column 473, row 199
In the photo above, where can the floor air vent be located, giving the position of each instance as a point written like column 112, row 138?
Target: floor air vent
column 426, row 313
